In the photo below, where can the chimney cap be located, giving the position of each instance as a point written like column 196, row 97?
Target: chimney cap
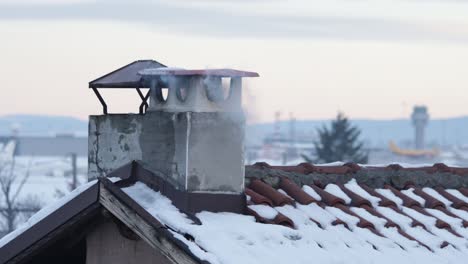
column 167, row 71
column 126, row 76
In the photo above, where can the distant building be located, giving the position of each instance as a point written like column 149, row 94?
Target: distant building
column 60, row 145
column 420, row 117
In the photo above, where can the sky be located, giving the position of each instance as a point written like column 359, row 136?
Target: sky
column 367, row 58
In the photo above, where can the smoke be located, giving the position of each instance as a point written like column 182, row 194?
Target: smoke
column 249, row 104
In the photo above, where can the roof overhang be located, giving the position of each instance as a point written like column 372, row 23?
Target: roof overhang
column 106, row 194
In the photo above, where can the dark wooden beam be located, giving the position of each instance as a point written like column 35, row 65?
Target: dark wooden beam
column 156, row 235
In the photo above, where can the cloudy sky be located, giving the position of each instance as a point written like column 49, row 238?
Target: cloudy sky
column 368, row 58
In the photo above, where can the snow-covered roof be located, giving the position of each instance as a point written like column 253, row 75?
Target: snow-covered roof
column 291, row 222
column 321, row 232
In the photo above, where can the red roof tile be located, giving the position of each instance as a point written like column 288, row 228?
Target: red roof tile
column 295, row 191
column 269, row 192
column 261, row 192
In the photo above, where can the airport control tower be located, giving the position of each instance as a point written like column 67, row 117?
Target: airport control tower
column 420, row 118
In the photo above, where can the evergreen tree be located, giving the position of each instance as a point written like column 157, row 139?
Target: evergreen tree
column 339, row 143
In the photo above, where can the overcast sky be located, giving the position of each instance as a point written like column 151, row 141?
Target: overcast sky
column 368, row 58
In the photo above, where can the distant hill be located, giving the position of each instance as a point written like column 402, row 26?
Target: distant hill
column 377, row 133
column 38, row 125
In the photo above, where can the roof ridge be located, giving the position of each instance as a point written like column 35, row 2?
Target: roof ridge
column 437, row 175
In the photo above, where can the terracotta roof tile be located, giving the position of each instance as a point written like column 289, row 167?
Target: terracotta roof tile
column 334, row 169
column 356, row 200
column 269, row 192
column 339, row 222
column 464, row 191
column 283, row 220
column 295, row 191
column 372, row 211
column 328, row 198
column 417, row 230
column 407, row 201
column 384, row 201
column 431, row 202
column 362, row 222
column 456, row 203
column 258, row 198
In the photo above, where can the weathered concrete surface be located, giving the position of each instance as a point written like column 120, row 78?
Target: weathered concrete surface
column 375, row 178
column 112, row 144
column 215, row 151
column 195, row 151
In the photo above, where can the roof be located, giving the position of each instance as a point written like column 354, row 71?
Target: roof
column 58, row 220
column 126, row 76
column 306, row 213
column 326, row 223
column 204, row 72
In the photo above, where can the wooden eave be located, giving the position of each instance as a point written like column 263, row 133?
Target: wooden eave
column 103, row 194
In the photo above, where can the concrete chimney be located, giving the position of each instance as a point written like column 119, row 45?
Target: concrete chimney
column 192, row 133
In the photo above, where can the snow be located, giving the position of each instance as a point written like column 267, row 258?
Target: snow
column 354, row 187
column 44, row 212
column 410, row 193
column 335, row 190
column 284, row 193
column 264, row 211
column 158, row 71
column 49, row 178
column 427, row 221
column 391, row 196
column 378, row 222
column 458, row 194
column 158, row 206
column 232, row 238
column 402, row 220
column 460, row 213
column 437, row 195
column 311, row 192
column 228, row 238
column 444, row 217
column 350, row 220
column 299, row 218
column 317, row 213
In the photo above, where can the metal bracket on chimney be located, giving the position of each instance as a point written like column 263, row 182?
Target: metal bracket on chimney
column 144, row 101
column 103, row 103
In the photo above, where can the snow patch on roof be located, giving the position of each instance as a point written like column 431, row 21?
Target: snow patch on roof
column 354, row 187
column 399, row 219
column 158, row 205
column 230, row 238
column 335, row 190
column 437, row 195
column 317, row 213
column 427, row 221
column 410, row 193
column 264, row 211
column 458, row 194
column 350, row 220
column 311, row 192
column 391, row 196
column 378, row 222
column 460, row 213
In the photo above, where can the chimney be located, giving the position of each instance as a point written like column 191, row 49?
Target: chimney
column 192, row 134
